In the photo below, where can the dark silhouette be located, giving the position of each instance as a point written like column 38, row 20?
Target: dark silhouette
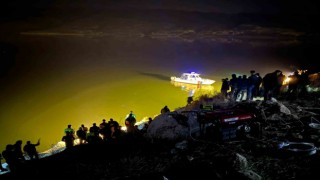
column 225, row 87
column 93, row 135
column 242, row 87
column 104, row 130
column 270, row 83
column 94, row 129
column 252, row 85
column 18, row 150
column 69, row 129
column 257, row 86
column 112, row 123
column 84, row 128
column 234, row 87
column 146, row 125
column 165, row 109
column 113, row 129
column 82, row 135
column 130, row 122
column 11, row 158
column 31, row 151
column 68, row 139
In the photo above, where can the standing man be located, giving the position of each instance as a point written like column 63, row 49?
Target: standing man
column 69, row 129
column 225, row 87
column 31, row 150
column 130, row 122
column 270, row 83
column 68, row 139
column 234, row 87
column 252, row 81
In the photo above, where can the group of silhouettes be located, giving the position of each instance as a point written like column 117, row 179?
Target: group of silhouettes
column 106, row 132
column 14, row 154
column 109, row 131
column 240, row 88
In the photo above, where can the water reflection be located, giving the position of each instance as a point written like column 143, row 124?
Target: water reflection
column 196, row 89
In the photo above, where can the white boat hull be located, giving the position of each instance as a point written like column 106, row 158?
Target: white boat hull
column 199, row 82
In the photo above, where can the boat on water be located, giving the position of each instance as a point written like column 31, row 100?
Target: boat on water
column 192, row 78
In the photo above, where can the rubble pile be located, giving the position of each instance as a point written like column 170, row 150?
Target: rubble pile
column 285, row 146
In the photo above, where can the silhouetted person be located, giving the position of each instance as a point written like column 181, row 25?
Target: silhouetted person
column 93, row 135
column 252, row 85
column 31, row 151
column 12, row 160
column 69, row 129
column 82, row 135
column 115, row 133
column 103, row 124
column 149, row 121
column 165, row 109
column 257, row 85
column 94, row 129
column 114, row 123
column 225, row 87
column 104, row 130
column 242, row 87
column 234, row 87
column 113, row 127
column 84, row 128
column 270, row 84
column 18, row 150
column 68, row 139
column 146, row 125
column 130, row 122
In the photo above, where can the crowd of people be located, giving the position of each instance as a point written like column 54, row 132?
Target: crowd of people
column 16, row 154
column 244, row 88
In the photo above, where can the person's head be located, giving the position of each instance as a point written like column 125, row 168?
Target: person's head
column 69, row 126
column 19, row 142
column 28, row 142
column 252, row 71
column 278, row 72
column 9, row 147
column 234, row 76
